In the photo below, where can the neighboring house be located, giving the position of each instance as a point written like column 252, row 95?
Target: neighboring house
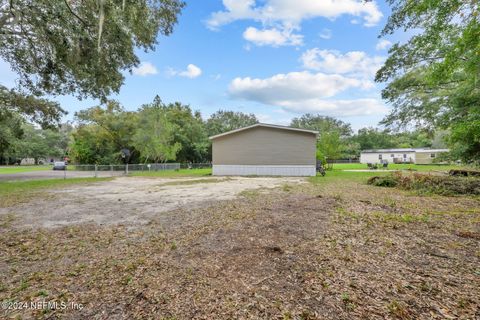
column 410, row 155
column 265, row 150
column 27, row 161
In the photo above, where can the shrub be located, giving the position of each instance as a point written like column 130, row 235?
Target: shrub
column 385, row 181
column 428, row 183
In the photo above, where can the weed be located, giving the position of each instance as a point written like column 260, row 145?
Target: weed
column 404, row 218
column 250, row 193
column 398, row 310
column 42, row 293
column 345, row 297
column 127, row 280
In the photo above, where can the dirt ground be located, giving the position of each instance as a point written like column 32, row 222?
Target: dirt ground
column 328, row 250
column 133, row 201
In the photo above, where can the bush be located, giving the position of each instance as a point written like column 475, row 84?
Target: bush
column 385, row 181
column 428, row 183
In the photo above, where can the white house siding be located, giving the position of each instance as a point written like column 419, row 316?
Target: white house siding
column 374, row 157
column 263, row 170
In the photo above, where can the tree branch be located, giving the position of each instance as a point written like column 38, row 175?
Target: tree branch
column 73, row 13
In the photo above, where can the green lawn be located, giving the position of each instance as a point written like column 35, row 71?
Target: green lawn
column 337, row 172
column 12, row 192
column 18, row 169
column 392, row 166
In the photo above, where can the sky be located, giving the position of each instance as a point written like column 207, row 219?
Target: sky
column 277, row 59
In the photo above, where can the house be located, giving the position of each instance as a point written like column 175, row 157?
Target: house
column 407, row 155
column 265, row 150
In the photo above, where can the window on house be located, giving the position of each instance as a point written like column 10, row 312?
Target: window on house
column 380, row 157
column 392, row 155
column 405, row 156
column 432, row 155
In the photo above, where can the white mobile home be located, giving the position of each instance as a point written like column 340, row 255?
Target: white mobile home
column 409, row 155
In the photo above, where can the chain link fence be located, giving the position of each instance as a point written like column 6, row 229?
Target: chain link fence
column 113, row 170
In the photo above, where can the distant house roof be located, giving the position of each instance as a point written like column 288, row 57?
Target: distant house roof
column 265, row 125
column 404, row 150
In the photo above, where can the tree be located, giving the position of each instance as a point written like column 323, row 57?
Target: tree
column 190, row 133
column 91, row 144
column 223, row 121
column 80, row 47
column 322, row 124
column 42, row 111
column 38, row 143
column 11, row 132
column 74, row 47
column 332, row 142
column 433, row 77
column 154, row 138
column 372, row 138
column 330, row 146
column 102, row 133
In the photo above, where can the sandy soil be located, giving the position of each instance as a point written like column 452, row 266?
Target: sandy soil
column 132, row 201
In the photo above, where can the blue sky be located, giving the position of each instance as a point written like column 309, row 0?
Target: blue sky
column 277, row 59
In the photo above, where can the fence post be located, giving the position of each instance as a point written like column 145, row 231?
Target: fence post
column 95, row 170
column 111, row 170
column 126, row 169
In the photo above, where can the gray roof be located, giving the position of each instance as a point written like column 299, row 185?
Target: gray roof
column 265, row 125
column 403, row 150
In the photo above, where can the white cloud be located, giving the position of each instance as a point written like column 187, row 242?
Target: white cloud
column 326, row 34
column 144, row 69
column 293, row 12
column 338, row 108
column 318, row 89
column 272, row 37
column 293, row 86
column 191, row 72
column 383, row 44
column 307, row 92
column 353, row 63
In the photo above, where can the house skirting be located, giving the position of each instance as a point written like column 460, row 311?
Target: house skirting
column 263, row 170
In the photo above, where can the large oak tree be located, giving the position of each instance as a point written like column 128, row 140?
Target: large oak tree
column 433, row 78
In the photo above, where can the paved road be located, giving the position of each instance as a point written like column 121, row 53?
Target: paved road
column 51, row 174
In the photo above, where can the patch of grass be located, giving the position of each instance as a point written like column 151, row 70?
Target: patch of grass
column 250, row 193
column 405, row 218
column 190, row 182
column 14, row 192
column 42, row 293
column 174, row 173
column 19, row 169
column 344, row 213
